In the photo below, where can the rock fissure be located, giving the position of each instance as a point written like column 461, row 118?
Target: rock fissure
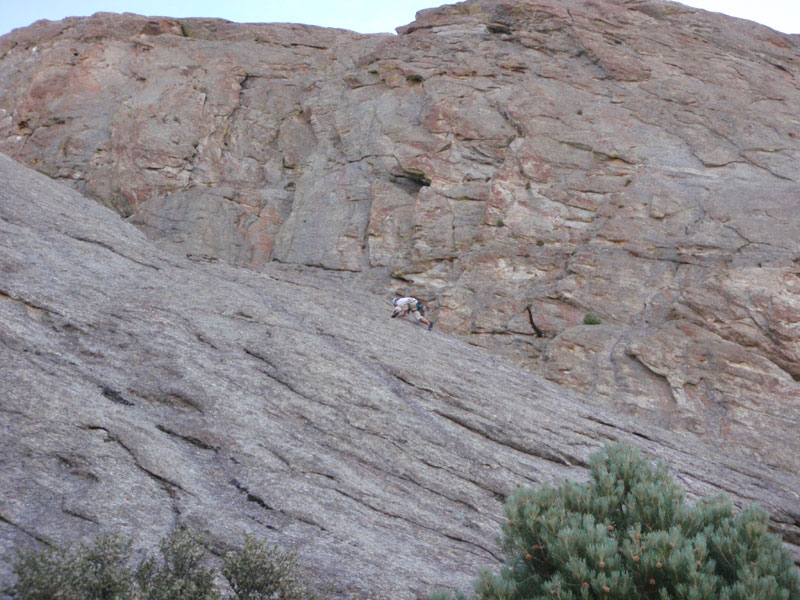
column 546, row 454
column 27, row 532
column 164, row 483
column 189, row 439
column 30, row 304
column 251, row 497
column 115, row 396
column 256, row 499
column 110, row 248
column 275, row 373
column 80, row 516
column 417, row 524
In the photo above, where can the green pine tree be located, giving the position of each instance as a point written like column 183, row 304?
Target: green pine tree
column 630, row 534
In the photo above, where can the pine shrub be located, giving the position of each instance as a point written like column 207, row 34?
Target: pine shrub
column 630, row 534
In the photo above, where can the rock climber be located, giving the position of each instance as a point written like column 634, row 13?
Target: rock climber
column 403, row 306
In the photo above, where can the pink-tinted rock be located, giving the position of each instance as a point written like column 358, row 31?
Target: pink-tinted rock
column 518, row 165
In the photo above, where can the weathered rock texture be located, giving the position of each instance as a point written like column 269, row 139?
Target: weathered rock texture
column 517, row 164
column 142, row 390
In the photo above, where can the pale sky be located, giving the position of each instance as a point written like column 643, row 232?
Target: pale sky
column 364, row 16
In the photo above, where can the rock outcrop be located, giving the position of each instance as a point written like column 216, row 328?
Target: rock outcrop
column 142, row 390
column 520, row 166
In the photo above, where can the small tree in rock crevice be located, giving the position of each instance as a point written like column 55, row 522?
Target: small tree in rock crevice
column 630, row 534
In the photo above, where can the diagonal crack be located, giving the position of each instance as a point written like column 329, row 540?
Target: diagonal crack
column 166, row 484
column 187, row 438
column 417, row 524
column 110, row 248
column 251, row 497
column 35, row 536
column 546, row 454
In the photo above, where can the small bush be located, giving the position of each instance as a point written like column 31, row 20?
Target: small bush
column 590, row 319
column 100, row 572
column 181, row 573
column 42, row 575
column 500, row 222
column 446, row 595
column 105, row 571
column 258, row 572
column 628, row 534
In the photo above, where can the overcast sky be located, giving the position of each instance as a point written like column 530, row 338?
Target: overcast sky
column 365, row 16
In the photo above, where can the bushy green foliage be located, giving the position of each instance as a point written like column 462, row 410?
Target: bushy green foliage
column 181, row 573
column 105, row 570
column 446, row 595
column 590, row 319
column 630, row 534
column 100, row 571
column 259, row 572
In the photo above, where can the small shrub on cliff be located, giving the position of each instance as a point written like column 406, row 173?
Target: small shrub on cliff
column 629, row 534
column 46, row 574
column 100, row 571
column 181, row 574
column 590, row 319
column 104, row 570
column 258, row 572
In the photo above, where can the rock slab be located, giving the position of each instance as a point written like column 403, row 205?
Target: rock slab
column 518, row 166
column 142, row 390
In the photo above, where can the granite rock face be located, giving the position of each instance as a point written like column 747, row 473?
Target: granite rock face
column 143, row 390
column 517, row 165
